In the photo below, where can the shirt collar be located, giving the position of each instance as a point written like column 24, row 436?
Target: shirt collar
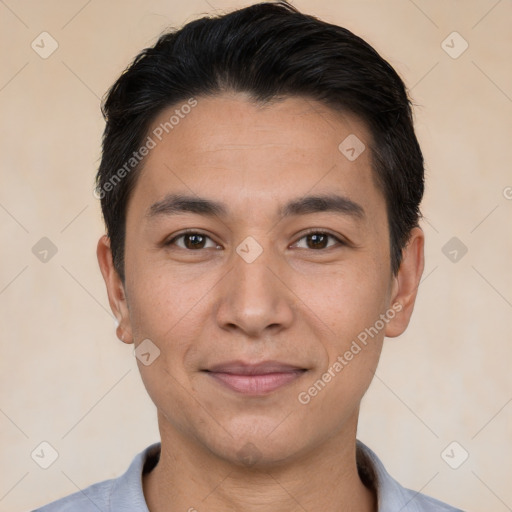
column 391, row 496
column 127, row 493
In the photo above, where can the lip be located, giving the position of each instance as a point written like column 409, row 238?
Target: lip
column 255, row 379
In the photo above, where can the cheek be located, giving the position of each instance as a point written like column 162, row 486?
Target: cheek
column 164, row 298
column 350, row 303
column 164, row 309
column 347, row 299
column 162, row 315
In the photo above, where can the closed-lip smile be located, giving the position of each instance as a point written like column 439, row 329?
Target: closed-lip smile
column 254, row 378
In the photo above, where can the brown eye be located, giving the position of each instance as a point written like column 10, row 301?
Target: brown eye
column 192, row 241
column 318, row 240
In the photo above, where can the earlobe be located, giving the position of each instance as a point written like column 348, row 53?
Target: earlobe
column 406, row 282
column 115, row 290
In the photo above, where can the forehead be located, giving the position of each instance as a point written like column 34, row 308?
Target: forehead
column 232, row 122
column 244, row 153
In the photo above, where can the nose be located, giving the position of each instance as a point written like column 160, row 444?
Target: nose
column 254, row 297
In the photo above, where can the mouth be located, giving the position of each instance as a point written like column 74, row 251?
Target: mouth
column 254, row 379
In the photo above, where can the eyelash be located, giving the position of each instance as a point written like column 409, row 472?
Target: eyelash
column 312, row 231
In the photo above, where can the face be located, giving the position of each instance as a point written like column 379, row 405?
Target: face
column 257, row 263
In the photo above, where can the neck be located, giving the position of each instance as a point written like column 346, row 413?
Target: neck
column 189, row 477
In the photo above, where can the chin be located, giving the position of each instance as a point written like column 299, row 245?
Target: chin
column 257, row 444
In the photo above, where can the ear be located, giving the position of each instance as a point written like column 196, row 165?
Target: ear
column 115, row 290
column 406, row 282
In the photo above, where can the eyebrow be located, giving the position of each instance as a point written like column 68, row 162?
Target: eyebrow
column 322, row 203
column 175, row 204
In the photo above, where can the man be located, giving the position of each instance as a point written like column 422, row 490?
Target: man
column 260, row 183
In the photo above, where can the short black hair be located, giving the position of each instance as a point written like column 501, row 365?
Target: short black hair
column 270, row 51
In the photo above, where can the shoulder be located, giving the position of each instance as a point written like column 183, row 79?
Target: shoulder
column 91, row 499
column 122, row 493
column 423, row 503
column 391, row 495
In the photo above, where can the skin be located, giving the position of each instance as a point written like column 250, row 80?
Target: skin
column 298, row 302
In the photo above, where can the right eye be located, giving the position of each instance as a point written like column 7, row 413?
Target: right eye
column 192, row 240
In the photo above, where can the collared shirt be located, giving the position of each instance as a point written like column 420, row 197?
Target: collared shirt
column 125, row 494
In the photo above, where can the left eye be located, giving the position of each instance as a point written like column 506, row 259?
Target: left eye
column 318, row 240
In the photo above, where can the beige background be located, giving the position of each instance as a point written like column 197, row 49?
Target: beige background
column 67, row 380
